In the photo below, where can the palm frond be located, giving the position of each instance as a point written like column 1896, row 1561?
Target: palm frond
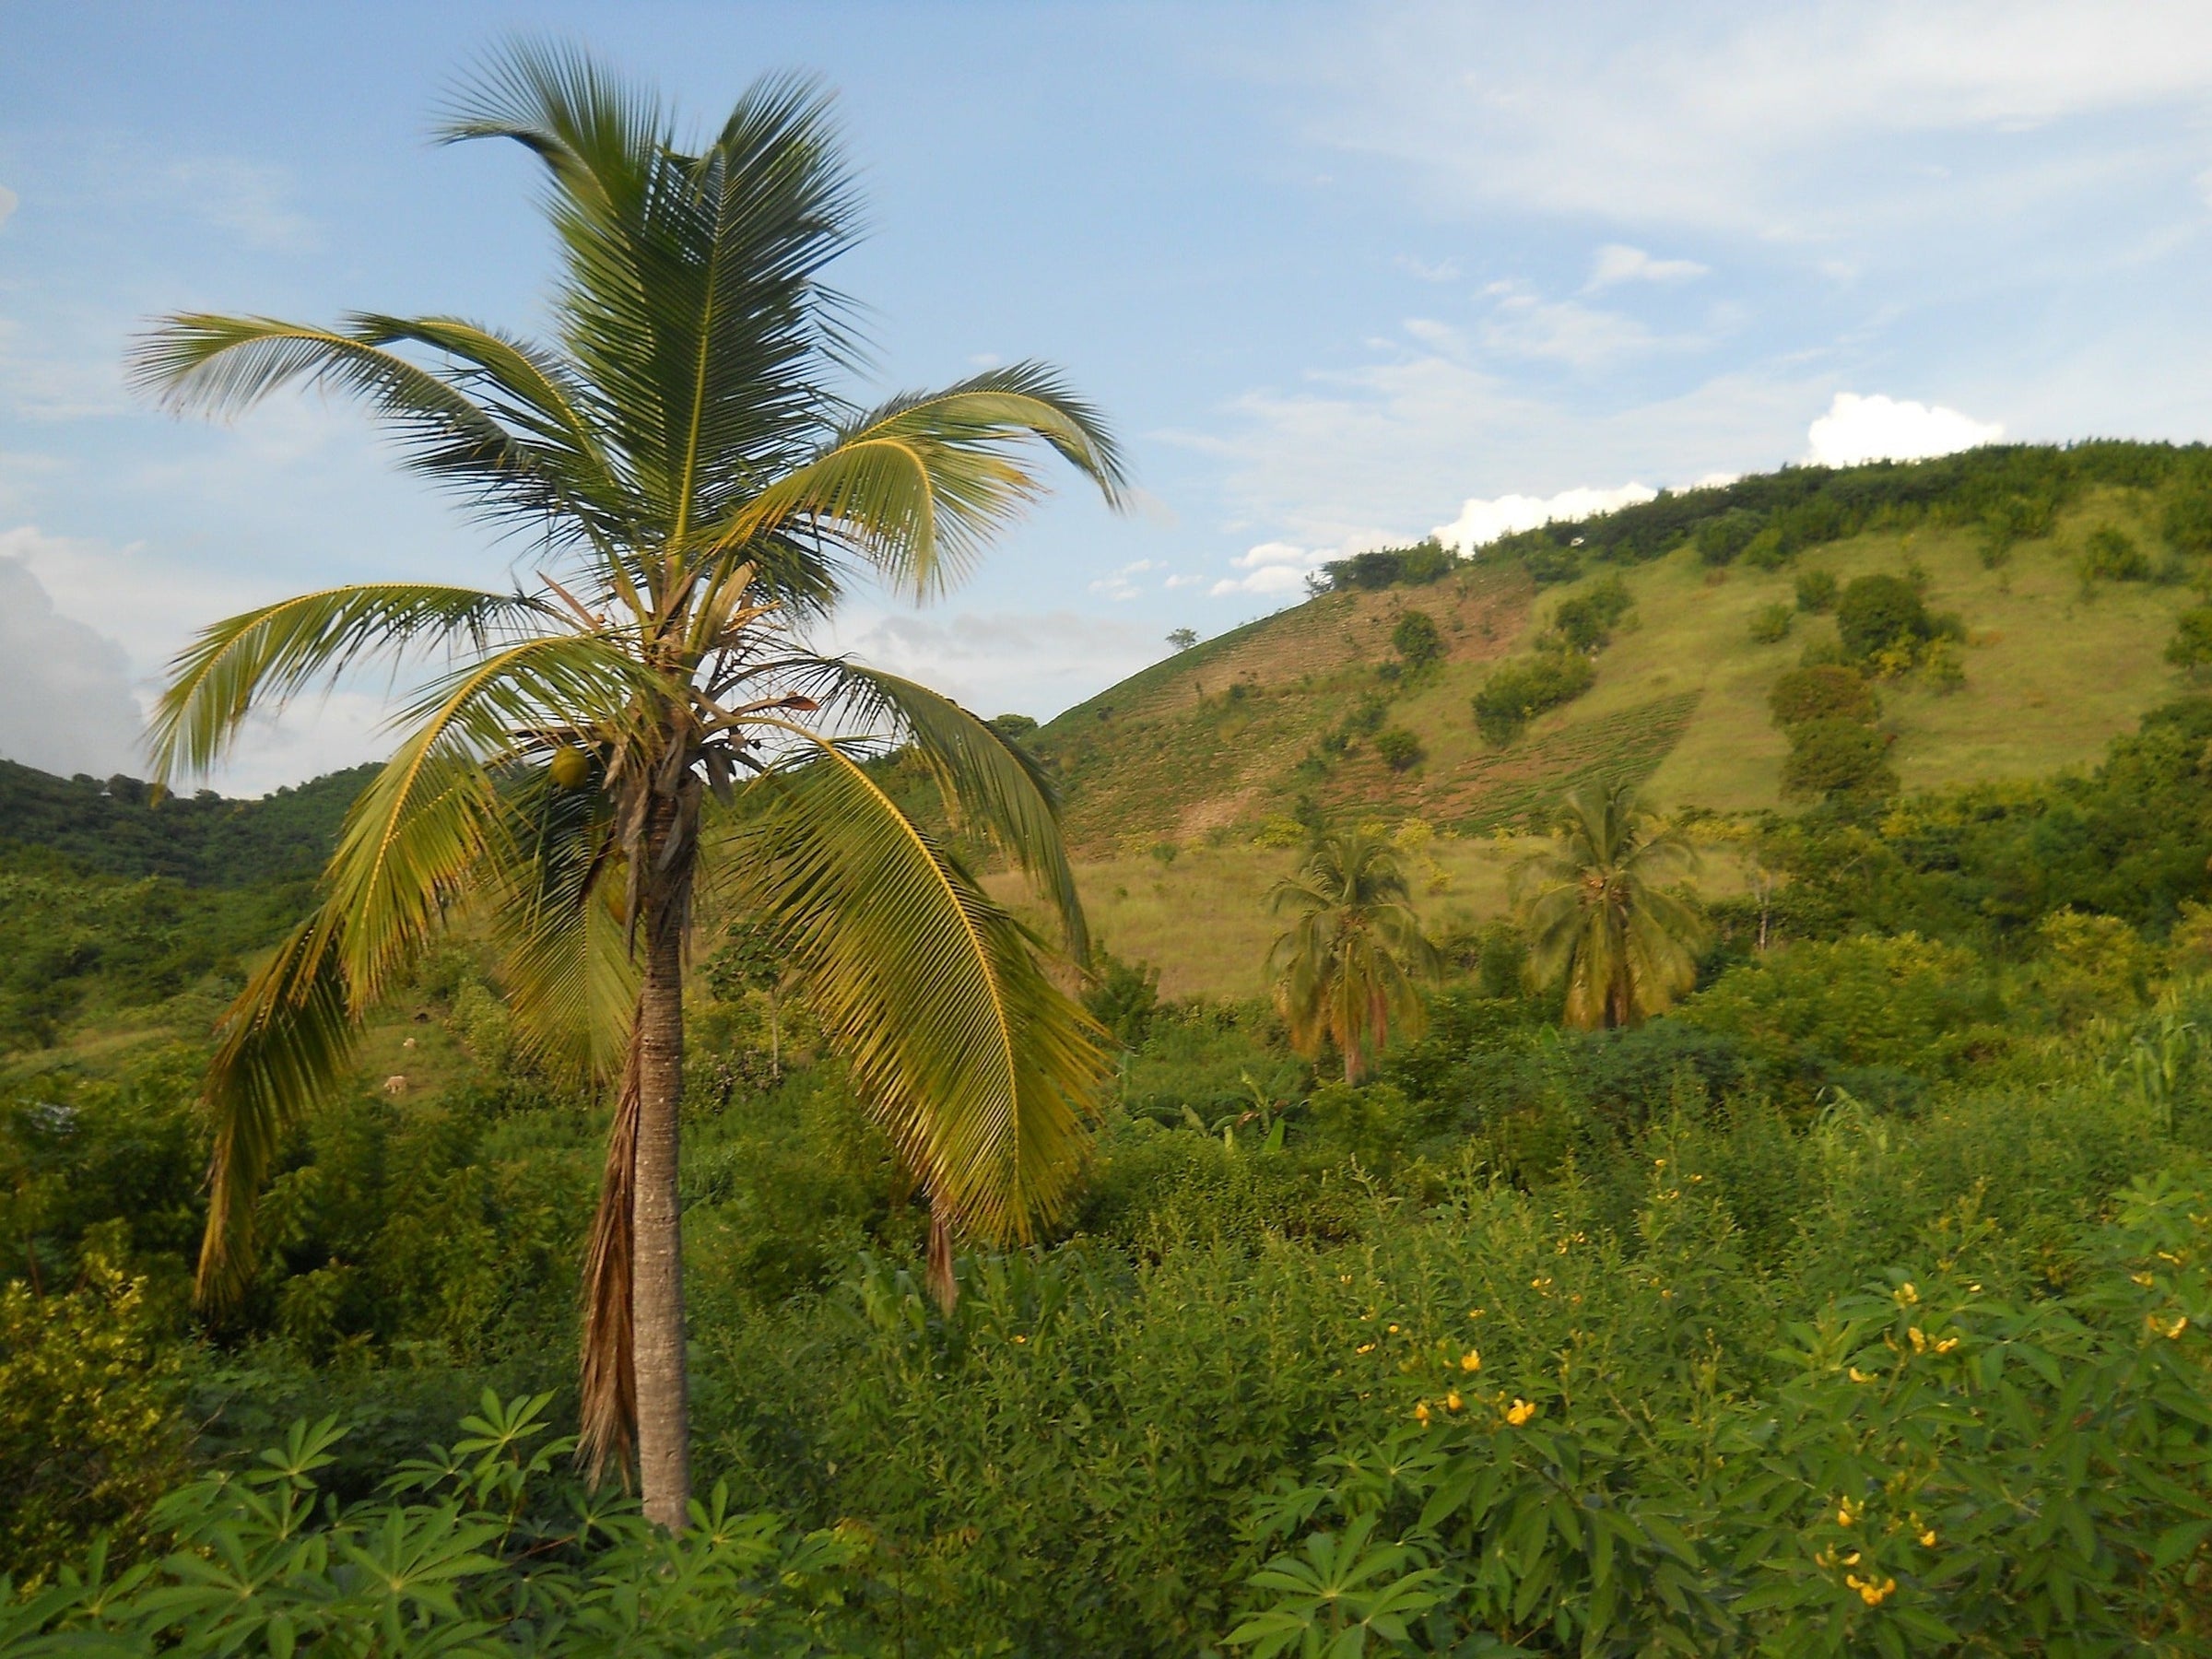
column 983, row 1071
column 280, row 650
column 918, row 486
column 285, row 1045
column 989, row 783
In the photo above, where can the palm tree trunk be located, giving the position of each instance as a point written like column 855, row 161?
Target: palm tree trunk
column 663, row 1386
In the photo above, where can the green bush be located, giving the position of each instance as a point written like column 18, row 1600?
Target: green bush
column 2187, row 521
column 1416, row 566
column 1416, row 640
column 1720, row 539
column 1816, row 592
column 2191, row 646
column 1833, row 758
column 1825, row 692
column 1770, row 624
column 1400, row 749
column 2112, row 555
column 1875, row 612
column 1518, row 692
column 1586, row 622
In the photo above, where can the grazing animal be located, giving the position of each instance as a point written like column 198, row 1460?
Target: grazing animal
column 395, row 1086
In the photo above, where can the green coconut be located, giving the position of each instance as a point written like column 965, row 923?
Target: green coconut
column 572, row 768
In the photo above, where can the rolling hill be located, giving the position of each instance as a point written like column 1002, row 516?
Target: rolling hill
column 1172, row 775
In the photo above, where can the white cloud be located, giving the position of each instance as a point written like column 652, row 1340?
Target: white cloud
column 1617, row 261
column 1424, row 270
column 1121, row 584
column 1183, row 581
column 1522, row 324
column 65, row 702
column 1880, row 428
column 1481, row 523
column 999, row 662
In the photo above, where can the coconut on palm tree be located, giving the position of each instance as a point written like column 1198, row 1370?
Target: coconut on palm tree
column 642, row 719
column 1597, row 912
column 1346, row 969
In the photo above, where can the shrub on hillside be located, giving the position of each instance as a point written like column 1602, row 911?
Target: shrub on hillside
column 1586, row 622
column 1416, row 566
column 1834, row 759
column 2187, row 521
column 1827, row 691
column 2191, row 646
column 1516, row 693
column 1416, row 640
column 1875, row 612
column 1721, row 538
column 1399, row 748
column 1816, row 590
column 1770, row 623
column 2112, row 555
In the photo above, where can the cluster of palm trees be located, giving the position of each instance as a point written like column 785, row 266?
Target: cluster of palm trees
column 642, row 724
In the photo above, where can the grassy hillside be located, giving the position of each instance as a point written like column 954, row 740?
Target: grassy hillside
column 1213, row 748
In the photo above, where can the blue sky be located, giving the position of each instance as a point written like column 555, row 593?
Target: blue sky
column 1336, row 272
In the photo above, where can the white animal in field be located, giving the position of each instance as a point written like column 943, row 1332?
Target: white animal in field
column 408, row 1043
column 395, row 1086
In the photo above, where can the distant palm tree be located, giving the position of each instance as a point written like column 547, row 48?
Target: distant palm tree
column 699, row 487
column 1345, row 970
column 1596, row 913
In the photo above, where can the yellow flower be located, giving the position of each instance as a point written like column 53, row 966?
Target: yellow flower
column 1470, row 1361
column 2167, row 1328
column 1846, row 1511
column 1947, row 1345
column 1393, row 1330
column 1906, row 1294
column 1453, row 1402
column 1420, row 1414
column 1859, row 1376
column 1365, row 1348
column 1518, row 1412
column 2143, row 1278
column 1021, row 1338
column 1928, row 1539
column 1920, row 1341
column 1473, row 1312
column 1874, row 1594
column 1344, row 1279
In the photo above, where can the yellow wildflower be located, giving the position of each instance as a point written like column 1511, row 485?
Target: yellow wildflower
column 1365, row 1348
column 1518, row 1412
column 1928, row 1539
column 1393, row 1330
column 1420, row 1414
column 1920, row 1340
column 1020, row 1338
column 1470, row 1361
column 1906, row 1294
column 1874, row 1594
column 2143, row 1278
column 1859, row 1376
column 2167, row 1328
column 1453, row 1402
column 1846, row 1511
column 1947, row 1345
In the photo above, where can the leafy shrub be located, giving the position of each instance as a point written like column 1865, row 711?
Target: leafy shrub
column 1720, row 538
column 1399, row 748
column 1517, row 692
column 1878, row 611
column 1123, row 996
column 1416, row 566
column 2191, row 646
column 1816, row 590
column 1586, row 622
column 1416, row 639
column 2187, row 521
column 1837, row 760
column 1767, row 550
column 1770, row 624
column 2112, row 555
column 1826, row 691
column 1549, row 559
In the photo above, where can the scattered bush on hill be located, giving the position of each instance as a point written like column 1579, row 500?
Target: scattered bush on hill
column 2186, row 523
column 1720, row 539
column 1586, row 622
column 1518, row 692
column 2112, row 555
column 1826, row 691
column 1816, row 592
column 1416, row 566
column 2191, row 647
column 1399, row 748
column 1828, row 713
column 1770, row 624
column 1416, row 640
column 1875, row 612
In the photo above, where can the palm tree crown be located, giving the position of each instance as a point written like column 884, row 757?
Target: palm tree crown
column 699, row 489
column 1346, row 968
column 1595, row 912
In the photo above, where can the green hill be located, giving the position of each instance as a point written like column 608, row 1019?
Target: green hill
column 1172, row 775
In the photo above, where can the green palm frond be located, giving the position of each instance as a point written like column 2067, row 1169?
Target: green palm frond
column 285, row 1044
column 918, row 486
column 431, row 819
column 271, row 654
column 983, row 1071
column 988, row 784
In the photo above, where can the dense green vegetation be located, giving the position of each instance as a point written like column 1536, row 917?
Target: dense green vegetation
column 1858, row 1303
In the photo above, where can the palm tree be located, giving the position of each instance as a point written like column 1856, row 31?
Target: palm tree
column 1594, row 911
column 1346, row 970
column 700, row 493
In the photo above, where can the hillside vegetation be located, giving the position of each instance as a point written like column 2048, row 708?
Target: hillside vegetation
column 1223, row 746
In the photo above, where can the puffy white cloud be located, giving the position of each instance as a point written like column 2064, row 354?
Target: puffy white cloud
column 1860, row 428
column 65, row 702
column 1524, row 325
column 1617, row 261
column 1121, row 584
column 1481, row 523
